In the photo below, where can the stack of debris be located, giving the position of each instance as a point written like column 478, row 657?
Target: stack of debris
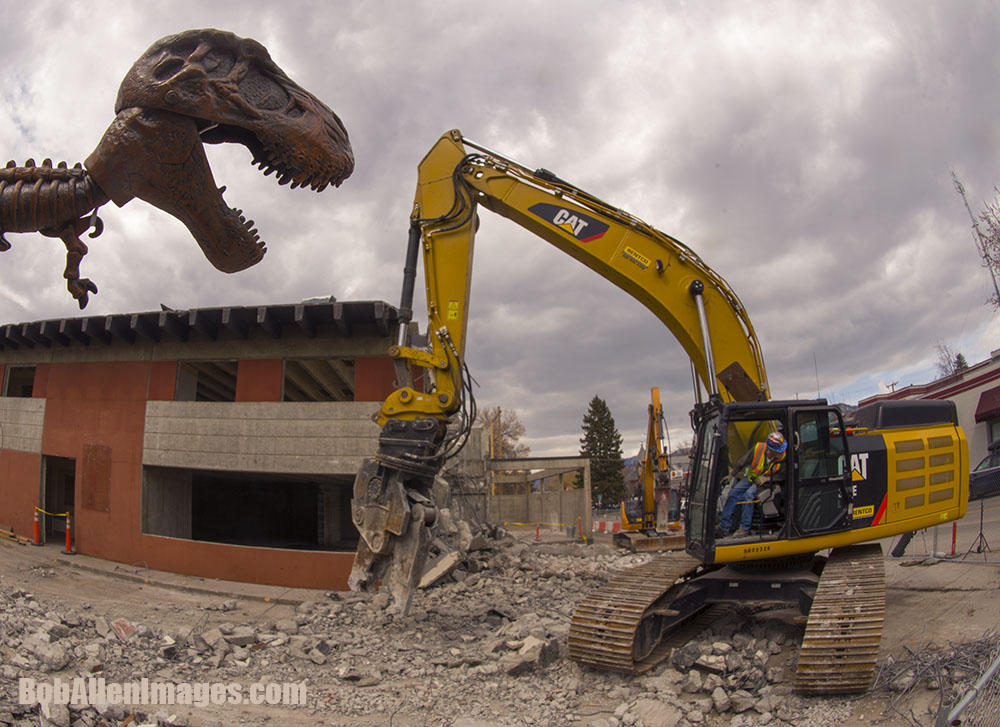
column 484, row 646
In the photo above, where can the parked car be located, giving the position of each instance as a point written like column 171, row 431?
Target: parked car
column 984, row 480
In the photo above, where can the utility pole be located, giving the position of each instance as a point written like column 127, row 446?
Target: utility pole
column 978, row 235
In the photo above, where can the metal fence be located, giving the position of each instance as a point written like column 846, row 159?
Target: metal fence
column 980, row 705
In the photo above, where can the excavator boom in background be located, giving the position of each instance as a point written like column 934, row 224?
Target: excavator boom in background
column 650, row 517
column 898, row 467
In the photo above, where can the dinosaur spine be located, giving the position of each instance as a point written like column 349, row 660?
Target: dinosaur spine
column 37, row 198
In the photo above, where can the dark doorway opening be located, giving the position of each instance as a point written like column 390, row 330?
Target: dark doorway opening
column 60, row 495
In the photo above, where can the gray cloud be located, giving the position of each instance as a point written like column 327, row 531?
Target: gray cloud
column 802, row 149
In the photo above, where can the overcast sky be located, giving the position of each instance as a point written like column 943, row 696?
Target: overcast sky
column 802, row 149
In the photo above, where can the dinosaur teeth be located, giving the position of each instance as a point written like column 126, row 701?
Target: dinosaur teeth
column 222, row 189
column 11, row 164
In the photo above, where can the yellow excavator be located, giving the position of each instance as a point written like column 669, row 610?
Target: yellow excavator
column 892, row 468
column 650, row 515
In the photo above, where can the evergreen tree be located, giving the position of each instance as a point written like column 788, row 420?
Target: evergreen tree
column 960, row 363
column 602, row 443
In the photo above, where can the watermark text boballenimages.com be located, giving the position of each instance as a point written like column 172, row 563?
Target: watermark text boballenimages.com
column 97, row 691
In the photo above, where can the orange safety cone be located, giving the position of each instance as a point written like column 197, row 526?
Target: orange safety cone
column 69, row 538
column 38, row 531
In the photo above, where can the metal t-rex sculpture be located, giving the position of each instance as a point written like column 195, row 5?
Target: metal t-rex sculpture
column 197, row 86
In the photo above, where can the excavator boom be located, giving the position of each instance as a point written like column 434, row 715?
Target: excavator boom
column 424, row 425
column 901, row 466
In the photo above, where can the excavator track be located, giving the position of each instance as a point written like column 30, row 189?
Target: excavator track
column 841, row 642
column 604, row 630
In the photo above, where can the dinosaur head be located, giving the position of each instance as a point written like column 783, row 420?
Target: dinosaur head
column 212, row 86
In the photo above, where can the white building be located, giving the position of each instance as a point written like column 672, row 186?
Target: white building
column 976, row 393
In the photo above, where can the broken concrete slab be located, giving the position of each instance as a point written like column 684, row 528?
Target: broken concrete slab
column 241, row 636
column 655, row 713
column 440, row 568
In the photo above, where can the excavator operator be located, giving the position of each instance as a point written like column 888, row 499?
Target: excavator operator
column 764, row 460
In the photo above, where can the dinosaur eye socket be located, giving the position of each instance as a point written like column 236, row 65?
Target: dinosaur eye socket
column 217, row 64
column 167, row 68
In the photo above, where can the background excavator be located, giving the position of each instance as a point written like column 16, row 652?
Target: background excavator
column 898, row 467
column 650, row 516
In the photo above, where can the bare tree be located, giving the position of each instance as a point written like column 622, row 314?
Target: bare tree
column 949, row 362
column 504, row 429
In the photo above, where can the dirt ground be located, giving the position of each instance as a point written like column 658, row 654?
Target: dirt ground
column 929, row 601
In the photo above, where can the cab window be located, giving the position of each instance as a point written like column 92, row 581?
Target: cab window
column 820, row 445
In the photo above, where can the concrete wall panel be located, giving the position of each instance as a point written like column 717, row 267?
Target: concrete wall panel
column 307, row 438
column 21, row 424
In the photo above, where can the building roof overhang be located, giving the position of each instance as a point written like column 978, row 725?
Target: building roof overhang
column 309, row 318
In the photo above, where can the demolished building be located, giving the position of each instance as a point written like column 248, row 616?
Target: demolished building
column 218, row 442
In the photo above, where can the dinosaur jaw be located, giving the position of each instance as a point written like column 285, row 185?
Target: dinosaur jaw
column 238, row 94
column 158, row 157
column 210, row 86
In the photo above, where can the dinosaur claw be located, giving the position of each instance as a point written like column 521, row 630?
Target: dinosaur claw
column 4, row 245
column 98, row 225
column 80, row 289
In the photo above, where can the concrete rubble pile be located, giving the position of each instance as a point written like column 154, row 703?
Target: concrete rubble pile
column 484, row 645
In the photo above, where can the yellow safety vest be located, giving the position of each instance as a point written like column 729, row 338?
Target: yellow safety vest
column 760, row 465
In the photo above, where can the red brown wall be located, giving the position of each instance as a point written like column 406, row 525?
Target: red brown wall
column 20, row 475
column 273, row 566
column 104, row 404
column 374, row 378
column 162, row 380
column 259, row 379
column 40, row 385
column 100, row 404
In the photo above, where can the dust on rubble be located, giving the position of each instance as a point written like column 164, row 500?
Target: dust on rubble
column 484, row 645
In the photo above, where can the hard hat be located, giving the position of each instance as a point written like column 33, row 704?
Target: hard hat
column 776, row 442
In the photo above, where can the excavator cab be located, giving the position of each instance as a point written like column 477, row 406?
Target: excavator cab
column 808, row 495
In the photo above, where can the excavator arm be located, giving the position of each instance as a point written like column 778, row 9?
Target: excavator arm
column 654, row 471
column 428, row 417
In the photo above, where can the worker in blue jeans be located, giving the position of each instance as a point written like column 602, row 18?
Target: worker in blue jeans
column 763, row 460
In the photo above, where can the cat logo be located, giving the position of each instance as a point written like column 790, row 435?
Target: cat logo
column 574, row 223
column 859, row 466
